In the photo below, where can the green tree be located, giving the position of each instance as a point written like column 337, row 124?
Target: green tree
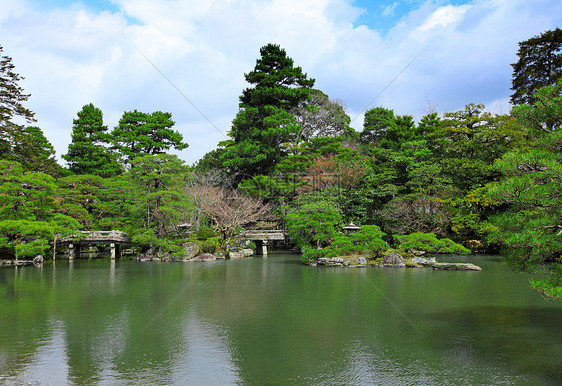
column 27, row 211
column 12, row 112
column 314, row 224
column 157, row 201
column 34, row 152
column 141, row 134
column 378, row 121
column 78, row 198
column 539, row 65
column 264, row 123
column 531, row 189
column 87, row 153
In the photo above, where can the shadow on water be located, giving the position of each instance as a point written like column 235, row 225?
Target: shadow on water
column 522, row 339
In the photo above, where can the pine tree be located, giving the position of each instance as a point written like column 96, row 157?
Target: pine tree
column 539, row 65
column 87, row 153
column 264, row 123
column 141, row 134
column 12, row 112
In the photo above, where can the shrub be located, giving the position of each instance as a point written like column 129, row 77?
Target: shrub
column 204, row 233
column 210, row 245
column 312, row 254
column 368, row 242
column 429, row 242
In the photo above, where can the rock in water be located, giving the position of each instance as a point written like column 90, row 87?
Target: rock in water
column 190, row 250
column 424, row 260
column 236, row 255
column 361, row 260
column 456, row 267
column 393, row 260
column 206, row 257
column 38, row 259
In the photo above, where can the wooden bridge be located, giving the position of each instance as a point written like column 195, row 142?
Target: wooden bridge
column 114, row 238
column 263, row 237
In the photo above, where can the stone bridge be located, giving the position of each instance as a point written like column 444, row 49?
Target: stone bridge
column 264, row 237
column 114, row 238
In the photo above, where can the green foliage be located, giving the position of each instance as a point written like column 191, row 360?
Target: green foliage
column 26, row 238
column 429, row 242
column 368, row 241
column 204, row 233
column 79, row 198
column 539, row 65
column 87, row 153
column 25, row 195
column 264, row 123
column 210, row 245
column 11, row 107
column 141, row 134
column 531, row 191
column 34, row 152
column 312, row 254
column 315, row 223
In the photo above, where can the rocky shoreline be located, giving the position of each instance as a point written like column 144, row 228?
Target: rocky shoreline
column 393, row 260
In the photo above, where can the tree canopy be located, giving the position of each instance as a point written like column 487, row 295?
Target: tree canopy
column 539, row 65
column 141, row 133
column 88, row 153
column 264, row 123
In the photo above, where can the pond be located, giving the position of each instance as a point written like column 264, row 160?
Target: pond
column 272, row 320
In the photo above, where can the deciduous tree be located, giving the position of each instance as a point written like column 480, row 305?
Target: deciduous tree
column 228, row 209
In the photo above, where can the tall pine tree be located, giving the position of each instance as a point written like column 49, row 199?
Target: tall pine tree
column 12, row 112
column 264, row 122
column 87, row 153
column 539, row 65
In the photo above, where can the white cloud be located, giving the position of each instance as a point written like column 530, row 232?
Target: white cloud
column 389, row 9
column 444, row 16
column 71, row 57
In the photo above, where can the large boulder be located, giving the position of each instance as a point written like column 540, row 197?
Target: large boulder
column 361, row 260
column 393, row 260
column 333, row 262
column 235, row 255
column 456, row 267
column 190, row 250
column 247, row 252
column 425, row 261
column 206, row 257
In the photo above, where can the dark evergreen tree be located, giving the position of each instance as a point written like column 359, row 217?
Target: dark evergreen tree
column 87, row 153
column 12, row 112
column 140, row 134
column 539, row 65
column 264, row 123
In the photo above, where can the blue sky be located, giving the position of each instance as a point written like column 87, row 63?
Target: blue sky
column 75, row 53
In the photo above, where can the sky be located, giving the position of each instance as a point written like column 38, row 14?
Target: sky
column 189, row 57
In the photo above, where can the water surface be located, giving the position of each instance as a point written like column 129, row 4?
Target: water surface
column 273, row 321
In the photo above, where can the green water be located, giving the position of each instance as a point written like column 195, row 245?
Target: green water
column 273, row 321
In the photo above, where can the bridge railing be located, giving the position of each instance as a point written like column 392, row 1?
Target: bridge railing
column 91, row 236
